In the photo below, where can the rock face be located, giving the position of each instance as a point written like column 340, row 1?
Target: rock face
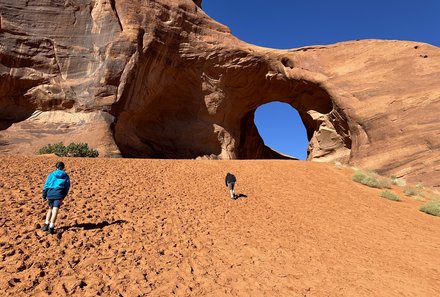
column 161, row 79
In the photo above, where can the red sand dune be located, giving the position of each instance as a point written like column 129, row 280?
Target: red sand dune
column 167, row 227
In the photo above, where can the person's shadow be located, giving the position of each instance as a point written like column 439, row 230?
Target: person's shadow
column 240, row 196
column 92, row 226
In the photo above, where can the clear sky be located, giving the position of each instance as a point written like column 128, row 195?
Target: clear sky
column 287, row 24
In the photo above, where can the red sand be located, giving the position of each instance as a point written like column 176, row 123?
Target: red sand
column 164, row 227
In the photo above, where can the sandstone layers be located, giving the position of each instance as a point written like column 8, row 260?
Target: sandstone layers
column 161, row 79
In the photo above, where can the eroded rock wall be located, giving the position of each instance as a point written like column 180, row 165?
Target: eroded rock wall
column 391, row 92
column 161, row 79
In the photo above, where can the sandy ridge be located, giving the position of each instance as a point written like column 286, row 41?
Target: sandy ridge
column 167, row 227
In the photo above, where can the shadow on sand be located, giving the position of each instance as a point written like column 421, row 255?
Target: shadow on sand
column 240, row 196
column 92, row 226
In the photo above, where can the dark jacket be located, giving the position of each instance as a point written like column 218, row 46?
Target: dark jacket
column 230, row 178
column 57, row 185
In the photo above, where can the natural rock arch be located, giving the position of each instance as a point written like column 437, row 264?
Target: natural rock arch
column 160, row 78
column 327, row 128
column 209, row 112
column 327, row 132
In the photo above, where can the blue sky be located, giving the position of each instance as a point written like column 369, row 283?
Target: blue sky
column 290, row 24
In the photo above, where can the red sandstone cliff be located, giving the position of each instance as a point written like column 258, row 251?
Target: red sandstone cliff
column 161, row 79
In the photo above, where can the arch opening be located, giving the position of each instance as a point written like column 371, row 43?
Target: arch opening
column 282, row 129
column 325, row 134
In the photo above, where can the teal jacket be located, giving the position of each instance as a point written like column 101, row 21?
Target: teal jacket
column 57, row 185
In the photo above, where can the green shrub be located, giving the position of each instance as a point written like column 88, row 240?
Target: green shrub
column 81, row 150
column 384, row 183
column 56, row 148
column 389, row 195
column 358, row 176
column 72, row 150
column 432, row 208
column 371, row 179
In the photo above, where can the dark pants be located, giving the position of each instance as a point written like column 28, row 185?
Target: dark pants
column 55, row 202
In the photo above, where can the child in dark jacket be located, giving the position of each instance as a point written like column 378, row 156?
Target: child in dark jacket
column 230, row 181
column 55, row 189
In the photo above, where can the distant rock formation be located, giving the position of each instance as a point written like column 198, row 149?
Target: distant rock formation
column 161, row 79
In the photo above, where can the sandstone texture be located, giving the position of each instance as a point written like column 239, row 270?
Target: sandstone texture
column 161, row 79
column 176, row 232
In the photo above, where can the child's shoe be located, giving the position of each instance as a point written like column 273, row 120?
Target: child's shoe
column 51, row 230
column 45, row 227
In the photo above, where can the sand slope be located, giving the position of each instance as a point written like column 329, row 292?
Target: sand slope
column 165, row 227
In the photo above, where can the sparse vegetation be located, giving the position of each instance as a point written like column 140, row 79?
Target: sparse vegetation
column 390, row 195
column 384, row 182
column 72, row 150
column 419, row 198
column 432, row 208
column 371, row 179
column 53, row 148
column 358, row 176
column 397, row 181
column 81, row 150
column 418, row 191
column 411, row 191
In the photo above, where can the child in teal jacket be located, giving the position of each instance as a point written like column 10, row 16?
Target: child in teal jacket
column 55, row 189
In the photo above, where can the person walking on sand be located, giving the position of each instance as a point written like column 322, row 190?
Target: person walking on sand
column 55, row 189
column 230, row 181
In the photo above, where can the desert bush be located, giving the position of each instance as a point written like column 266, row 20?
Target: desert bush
column 371, row 179
column 397, row 181
column 358, row 176
column 81, row 150
column 384, row 182
column 72, row 150
column 389, row 195
column 411, row 191
column 432, row 208
column 53, row 148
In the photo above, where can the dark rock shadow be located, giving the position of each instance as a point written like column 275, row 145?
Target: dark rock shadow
column 92, row 226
